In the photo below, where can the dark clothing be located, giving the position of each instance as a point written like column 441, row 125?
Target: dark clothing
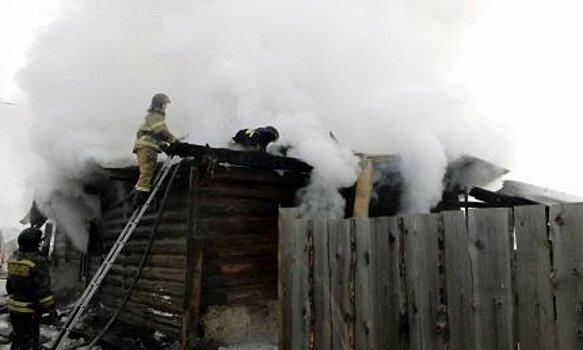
column 256, row 139
column 25, row 331
column 29, row 296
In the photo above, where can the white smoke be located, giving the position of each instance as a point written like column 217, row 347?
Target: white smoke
column 373, row 72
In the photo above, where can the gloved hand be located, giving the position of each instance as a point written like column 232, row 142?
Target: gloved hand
column 178, row 148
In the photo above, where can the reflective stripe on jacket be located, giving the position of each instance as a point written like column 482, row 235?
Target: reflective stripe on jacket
column 154, row 133
column 29, row 283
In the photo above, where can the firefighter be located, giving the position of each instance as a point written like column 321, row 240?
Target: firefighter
column 29, row 290
column 256, row 139
column 153, row 137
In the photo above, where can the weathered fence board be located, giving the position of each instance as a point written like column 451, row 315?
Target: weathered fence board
column 287, row 219
column 490, row 230
column 536, row 324
column 322, row 312
column 364, row 287
column 385, row 261
column 567, row 235
column 341, row 279
column 300, row 288
column 458, row 269
column 426, row 328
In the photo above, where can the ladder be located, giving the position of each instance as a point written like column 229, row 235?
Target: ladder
column 97, row 279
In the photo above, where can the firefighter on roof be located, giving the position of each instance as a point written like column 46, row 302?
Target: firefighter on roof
column 29, row 290
column 256, row 139
column 153, row 137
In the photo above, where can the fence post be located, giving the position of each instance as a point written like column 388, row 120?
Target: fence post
column 458, row 270
column 286, row 223
column 425, row 315
column 489, row 231
column 566, row 222
column 322, row 312
column 341, row 282
column 536, row 320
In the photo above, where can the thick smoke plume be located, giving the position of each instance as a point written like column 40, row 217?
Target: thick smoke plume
column 373, row 72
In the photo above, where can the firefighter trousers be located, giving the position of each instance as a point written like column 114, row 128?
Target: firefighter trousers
column 25, row 330
column 147, row 159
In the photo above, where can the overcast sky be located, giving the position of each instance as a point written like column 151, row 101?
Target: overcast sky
column 532, row 86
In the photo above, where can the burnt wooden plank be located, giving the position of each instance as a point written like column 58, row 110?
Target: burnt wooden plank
column 566, row 222
column 364, row 287
column 322, row 312
column 489, row 231
column 422, row 278
column 254, row 159
column 389, row 301
column 341, row 278
column 535, row 299
column 300, row 288
column 458, row 269
column 286, row 224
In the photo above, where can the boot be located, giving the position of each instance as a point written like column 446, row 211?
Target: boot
column 140, row 197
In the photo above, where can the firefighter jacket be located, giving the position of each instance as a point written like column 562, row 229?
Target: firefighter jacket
column 257, row 139
column 154, row 133
column 29, row 283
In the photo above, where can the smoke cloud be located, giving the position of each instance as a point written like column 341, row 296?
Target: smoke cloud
column 373, row 72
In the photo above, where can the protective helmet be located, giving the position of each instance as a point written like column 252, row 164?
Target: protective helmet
column 159, row 100
column 29, row 239
column 270, row 130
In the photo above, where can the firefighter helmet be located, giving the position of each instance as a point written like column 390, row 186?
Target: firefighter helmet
column 159, row 100
column 29, row 239
column 272, row 132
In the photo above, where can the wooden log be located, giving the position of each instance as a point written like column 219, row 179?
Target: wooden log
column 300, row 287
column 174, row 289
column 425, row 315
column 536, row 320
column 286, row 227
column 322, row 301
column 157, row 260
column 163, row 302
column 490, row 231
column 254, row 177
column 341, row 280
column 458, row 269
column 152, row 273
column 566, row 221
column 363, row 190
column 146, row 312
column 237, row 226
column 217, row 207
column 365, row 287
column 161, row 246
column 257, row 192
column 136, row 318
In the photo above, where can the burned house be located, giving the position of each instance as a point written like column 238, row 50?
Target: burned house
column 209, row 242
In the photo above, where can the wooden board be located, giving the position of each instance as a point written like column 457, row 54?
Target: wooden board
column 490, row 231
column 458, row 271
column 341, row 279
column 422, row 276
column 389, row 300
column 566, row 222
column 287, row 219
column 300, row 288
column 322, row 311
column 364, row 287
column 533, row 275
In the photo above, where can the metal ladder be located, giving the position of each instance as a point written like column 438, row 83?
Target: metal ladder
column 97, row 279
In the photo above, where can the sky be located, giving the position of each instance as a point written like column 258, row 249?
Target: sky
column 518, row 60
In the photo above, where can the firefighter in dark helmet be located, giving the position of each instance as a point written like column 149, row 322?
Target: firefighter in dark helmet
column 153, row 137
column 256, row 139
column 29, row 290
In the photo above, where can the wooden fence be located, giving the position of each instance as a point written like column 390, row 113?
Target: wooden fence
column 502, row 278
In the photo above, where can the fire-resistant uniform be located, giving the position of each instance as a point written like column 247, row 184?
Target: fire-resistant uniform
column 152, row 138
column 256, row 139
column 29, row 295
